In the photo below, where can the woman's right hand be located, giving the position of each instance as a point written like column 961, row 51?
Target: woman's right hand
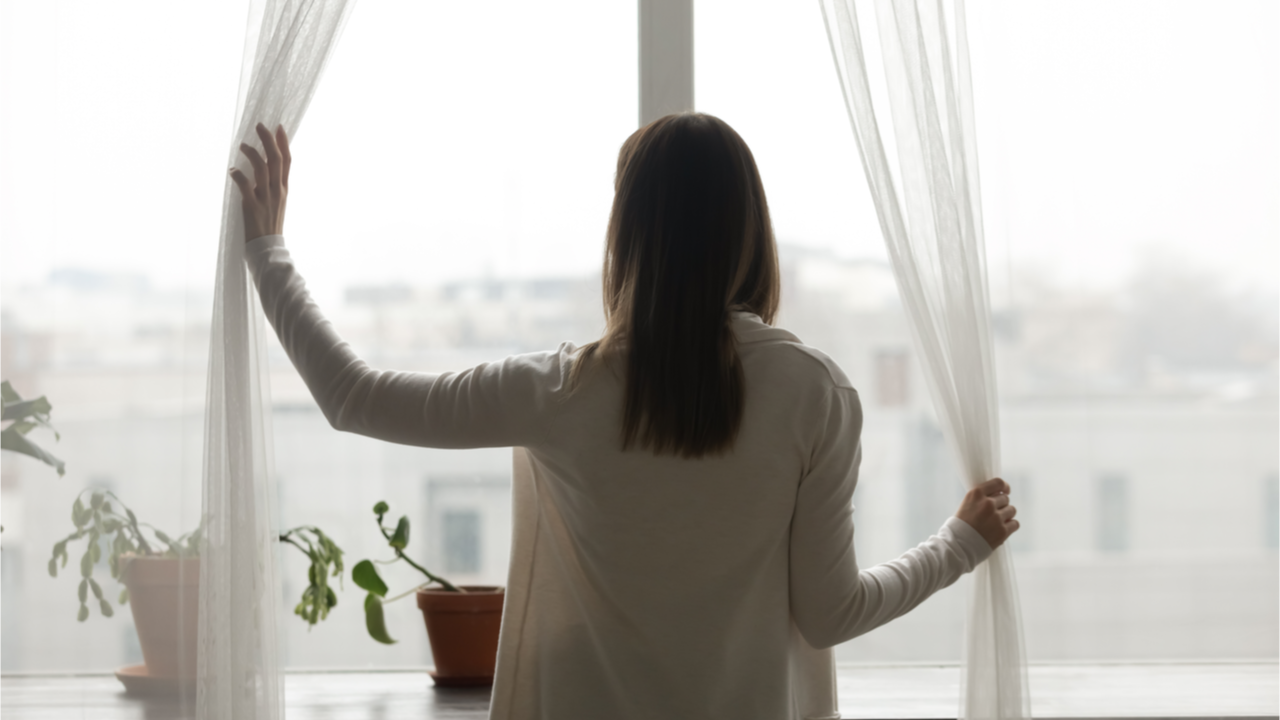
column 986, row 508
column 263, row 198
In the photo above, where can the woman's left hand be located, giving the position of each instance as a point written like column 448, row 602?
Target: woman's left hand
column 263, row 198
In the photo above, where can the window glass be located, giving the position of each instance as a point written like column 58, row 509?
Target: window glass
column 1112, row 513
column 1132, row 240
column 114, row 125
column 452, row 182
column 892, row 378
column 449, row 193
column 1271, row 512
column 450, row 190
column 461, row 530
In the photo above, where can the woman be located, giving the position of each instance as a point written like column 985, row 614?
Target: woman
column 692, row 471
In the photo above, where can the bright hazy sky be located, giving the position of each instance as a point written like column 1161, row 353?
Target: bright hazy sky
column 456, row 139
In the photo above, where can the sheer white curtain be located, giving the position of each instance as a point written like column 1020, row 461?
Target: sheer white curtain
column 934, row 236
column 286, row 47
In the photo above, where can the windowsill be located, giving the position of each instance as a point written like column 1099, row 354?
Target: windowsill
column 1059, row 690
column 1074, row 689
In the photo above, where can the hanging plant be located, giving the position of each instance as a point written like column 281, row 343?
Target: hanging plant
column 24, row 416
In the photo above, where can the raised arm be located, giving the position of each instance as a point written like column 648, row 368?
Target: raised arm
column 498, row 404
column 831, row 599
column 491, row 405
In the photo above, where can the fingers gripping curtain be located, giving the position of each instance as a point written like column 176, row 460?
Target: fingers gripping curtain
column 287, row 45
column 936, row 248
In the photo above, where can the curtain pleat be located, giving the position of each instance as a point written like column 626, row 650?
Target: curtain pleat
column 933, row 231
column 287, row 45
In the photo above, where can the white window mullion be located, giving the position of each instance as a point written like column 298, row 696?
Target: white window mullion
column 666, row 58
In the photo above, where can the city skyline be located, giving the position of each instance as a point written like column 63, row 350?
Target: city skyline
column 1108, row 458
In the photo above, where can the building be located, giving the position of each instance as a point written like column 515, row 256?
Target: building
column 1149, row 496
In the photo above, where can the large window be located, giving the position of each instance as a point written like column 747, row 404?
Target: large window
column 1132, row 239
column 113, row 133
column 450, row 190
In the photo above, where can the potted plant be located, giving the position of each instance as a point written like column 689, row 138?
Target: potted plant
column 161, row 578
column 462, row 621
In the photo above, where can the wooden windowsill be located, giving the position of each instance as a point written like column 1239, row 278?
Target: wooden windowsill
column 1081, row 690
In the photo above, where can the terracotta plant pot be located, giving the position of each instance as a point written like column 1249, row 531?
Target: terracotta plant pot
column 463, row 629
column 164, row 594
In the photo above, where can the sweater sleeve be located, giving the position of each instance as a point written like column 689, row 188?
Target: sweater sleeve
column 497, row 404
column 831, row 599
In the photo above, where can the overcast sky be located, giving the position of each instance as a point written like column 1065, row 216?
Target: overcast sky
column 457, row 139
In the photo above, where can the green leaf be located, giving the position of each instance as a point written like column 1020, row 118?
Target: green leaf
column 106, row 608
column 22, row 427
column 23, row 409
column 400, row 539
column 381, row 508
column 53, row 567
column 163, row 538
column 95, row 500
column 8, row 395
column 11, row 439
column 97, row 591
column 86, row 564
column 318, row 597
column 365, row 576
column 111, row 525
column 83, row 614
column 133, row 519
column 374, row 621
column 95, row 550
column 81, row 515
column 330, row 552
column 83, row 590
column 119, row 546
column 124, row 596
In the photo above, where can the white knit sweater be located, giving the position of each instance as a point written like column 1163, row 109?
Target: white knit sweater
column 644, row 586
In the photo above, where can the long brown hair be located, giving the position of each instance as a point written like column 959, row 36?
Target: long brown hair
column 689, row 241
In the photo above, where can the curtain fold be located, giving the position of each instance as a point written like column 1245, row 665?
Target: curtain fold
column 934, row 236
column 286, row 47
